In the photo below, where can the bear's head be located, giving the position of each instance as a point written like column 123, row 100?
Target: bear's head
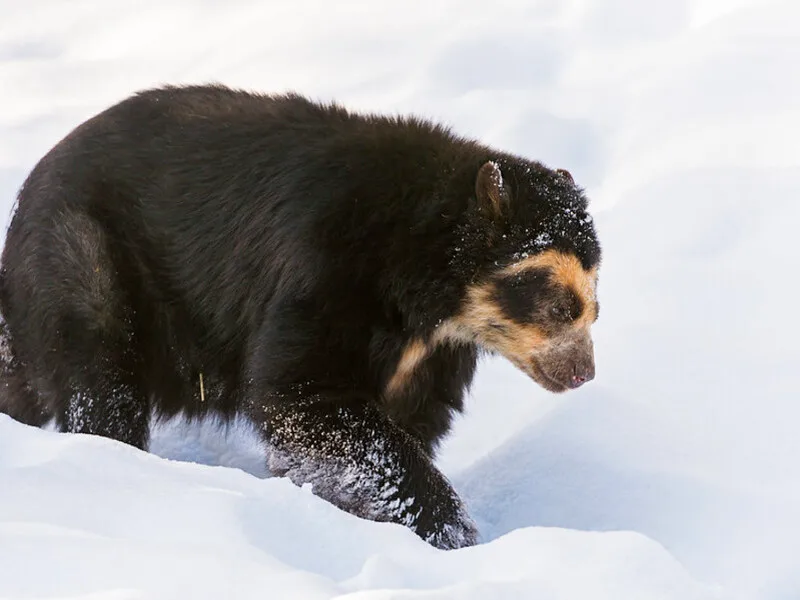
column 531, row 298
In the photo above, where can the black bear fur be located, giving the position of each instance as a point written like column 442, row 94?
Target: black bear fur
column 285, row 251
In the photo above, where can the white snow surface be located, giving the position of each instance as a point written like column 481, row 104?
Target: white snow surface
column 674, row 475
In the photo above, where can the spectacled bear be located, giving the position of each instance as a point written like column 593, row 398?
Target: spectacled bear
column 331, row 275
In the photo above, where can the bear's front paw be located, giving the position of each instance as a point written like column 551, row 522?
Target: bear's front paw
column 458, row 533
column 443, row 520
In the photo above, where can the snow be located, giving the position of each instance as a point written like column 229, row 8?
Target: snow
column 99, row 519
column 675, row 474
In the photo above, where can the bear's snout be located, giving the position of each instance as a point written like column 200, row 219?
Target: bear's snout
column 564, row 366
column 581, row 373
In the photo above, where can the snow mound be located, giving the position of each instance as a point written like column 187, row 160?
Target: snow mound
column 85, row 517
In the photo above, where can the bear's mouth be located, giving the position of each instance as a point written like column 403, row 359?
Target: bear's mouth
column 540, row 376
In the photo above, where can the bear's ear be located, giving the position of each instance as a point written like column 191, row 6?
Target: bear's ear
column 490, row 191
column 566, row 175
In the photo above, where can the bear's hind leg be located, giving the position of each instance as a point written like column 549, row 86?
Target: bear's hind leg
column 358, row 460
column 17, row 399
column 72, row 327
column 104, row 399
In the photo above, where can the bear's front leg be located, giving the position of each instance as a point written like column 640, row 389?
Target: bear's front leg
column 355, row 458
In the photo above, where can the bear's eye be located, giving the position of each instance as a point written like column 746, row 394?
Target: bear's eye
column 562, row 313
column 518, row 295
column 567, row 310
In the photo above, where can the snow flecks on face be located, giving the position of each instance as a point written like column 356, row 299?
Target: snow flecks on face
column 546, row 210
column 542, row 240
column 532, row 245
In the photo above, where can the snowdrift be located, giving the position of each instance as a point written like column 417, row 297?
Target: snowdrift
column 86, row 517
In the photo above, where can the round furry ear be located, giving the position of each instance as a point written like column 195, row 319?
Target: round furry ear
column 566, row 175
column 490, row 190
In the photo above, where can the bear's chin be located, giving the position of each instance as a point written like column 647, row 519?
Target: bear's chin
column 533, row 370
column 540, row 376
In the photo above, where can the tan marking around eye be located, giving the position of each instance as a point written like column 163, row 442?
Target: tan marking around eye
column 474, row 322
column 479, row 310
column 568, row 272
column 413, row 354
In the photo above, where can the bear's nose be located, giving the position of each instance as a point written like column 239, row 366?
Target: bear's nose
column 581, row 376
